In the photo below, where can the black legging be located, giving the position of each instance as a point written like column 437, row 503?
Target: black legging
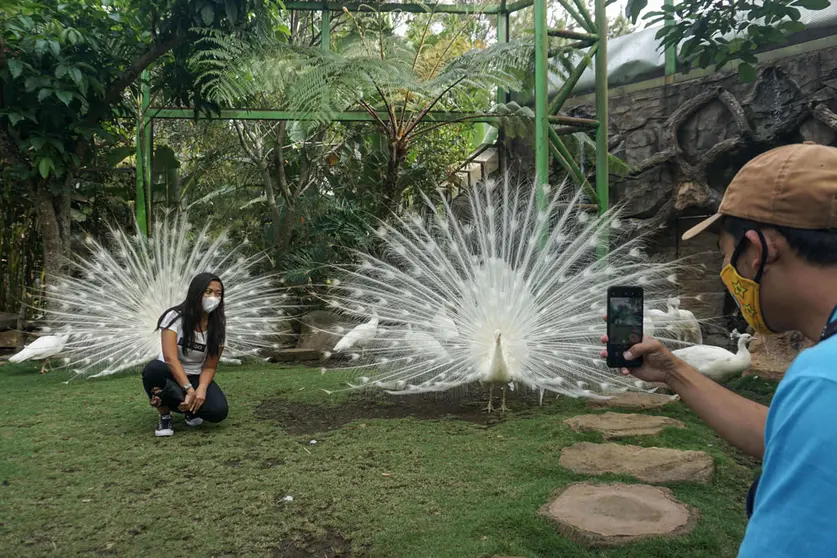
column 157, row 374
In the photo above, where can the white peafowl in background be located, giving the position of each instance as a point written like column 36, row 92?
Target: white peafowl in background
column 680, row 324
column 515, row 293
column 717, row 362
column 684, row 322
column 43, row 348
column 359, row 336
column 111, row 298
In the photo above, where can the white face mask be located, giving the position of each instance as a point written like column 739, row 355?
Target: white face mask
column 210, row 303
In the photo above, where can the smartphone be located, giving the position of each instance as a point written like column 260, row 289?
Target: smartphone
column 624, row 324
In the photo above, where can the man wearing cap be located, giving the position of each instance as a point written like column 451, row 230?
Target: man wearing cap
column 777, row 230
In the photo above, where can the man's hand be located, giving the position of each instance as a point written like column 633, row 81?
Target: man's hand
column 657, row 362
column 200, row 397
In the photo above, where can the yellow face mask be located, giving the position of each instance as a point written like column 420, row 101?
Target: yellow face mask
column 746, row 291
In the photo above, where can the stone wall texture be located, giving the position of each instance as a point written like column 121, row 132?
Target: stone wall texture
column 686, row 141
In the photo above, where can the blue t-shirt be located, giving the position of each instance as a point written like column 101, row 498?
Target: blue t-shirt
column 795, row 511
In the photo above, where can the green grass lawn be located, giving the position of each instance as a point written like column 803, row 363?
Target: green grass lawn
column 81, row 473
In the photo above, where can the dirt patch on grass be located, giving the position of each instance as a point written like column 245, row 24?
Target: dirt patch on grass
column 329, row 545
column 306, row 418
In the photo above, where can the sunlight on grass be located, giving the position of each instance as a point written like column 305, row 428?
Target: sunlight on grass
column 81, row 473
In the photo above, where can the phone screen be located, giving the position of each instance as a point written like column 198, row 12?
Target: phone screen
column 625, row 320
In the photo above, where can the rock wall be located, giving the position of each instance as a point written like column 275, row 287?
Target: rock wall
column 686, row 142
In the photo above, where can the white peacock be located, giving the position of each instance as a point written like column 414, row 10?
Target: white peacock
column 513, row 294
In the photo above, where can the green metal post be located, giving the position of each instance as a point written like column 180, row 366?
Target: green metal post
column 502, row 37
column 574, row 15
column 503, row 30
column 394, row 7
column 541, row 100
column 585, row 13
column 325, row 30
column 601, row 108
column 602, row 188
column 143, row 157
column 517, row 6
column 568, row 162
column 571, row 81
column 670, row 52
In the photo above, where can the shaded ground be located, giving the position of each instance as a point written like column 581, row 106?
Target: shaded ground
column 305, row 418
column 330, row 544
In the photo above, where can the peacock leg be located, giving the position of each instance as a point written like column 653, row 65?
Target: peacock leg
column 43, row 366
column 490, row 397
column 503, row 407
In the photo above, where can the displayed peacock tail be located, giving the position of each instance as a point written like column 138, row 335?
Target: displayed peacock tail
column 523, row 263
column 111, row 297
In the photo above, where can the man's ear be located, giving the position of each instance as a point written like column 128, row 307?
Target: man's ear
column 756, row 242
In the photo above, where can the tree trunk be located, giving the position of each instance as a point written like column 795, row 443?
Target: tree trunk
column 21, row 322
column 64, row 215
column 271, row 201
column 284, row 225
column 50, row 231
column 392, row 195
column 284, row 229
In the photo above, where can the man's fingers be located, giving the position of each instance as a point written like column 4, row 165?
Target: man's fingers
column 604, row 339
column 648, row 345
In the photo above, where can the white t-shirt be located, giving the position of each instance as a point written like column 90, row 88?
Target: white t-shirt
column 193, row 361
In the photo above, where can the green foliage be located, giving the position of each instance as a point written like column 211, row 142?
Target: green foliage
column 55, row 70
column 714, row 32
column 67, row 65
column 396, row 80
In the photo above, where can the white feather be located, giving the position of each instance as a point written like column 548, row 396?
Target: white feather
column 41, row 348
column 544, row 297
column 359, row 336
column 717, row 362
column 135, row 279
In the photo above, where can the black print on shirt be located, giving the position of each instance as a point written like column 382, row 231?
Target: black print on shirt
column 193, row 346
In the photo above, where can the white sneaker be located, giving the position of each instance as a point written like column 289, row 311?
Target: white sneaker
column 192, row 420
column 164, row 426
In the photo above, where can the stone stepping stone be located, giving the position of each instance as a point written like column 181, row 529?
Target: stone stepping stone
column 657, row 465
column 617, row 425
column 636, row 401
column 615, row 514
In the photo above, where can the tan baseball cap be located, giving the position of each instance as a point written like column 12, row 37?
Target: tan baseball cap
column 790, row 186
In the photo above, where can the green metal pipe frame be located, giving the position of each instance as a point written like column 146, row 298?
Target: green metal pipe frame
column 541, row 102
column 585, row 13
column 563, row 33
column 325, row 30
column 569, row 164
column 357, row 116
column 574, row 121
column 546, row 138
column 517, row 6
column 670, row 52
column 575, row 15
column 602, row 170
column 389, row 7
column 412, row 8
column 567, row 89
